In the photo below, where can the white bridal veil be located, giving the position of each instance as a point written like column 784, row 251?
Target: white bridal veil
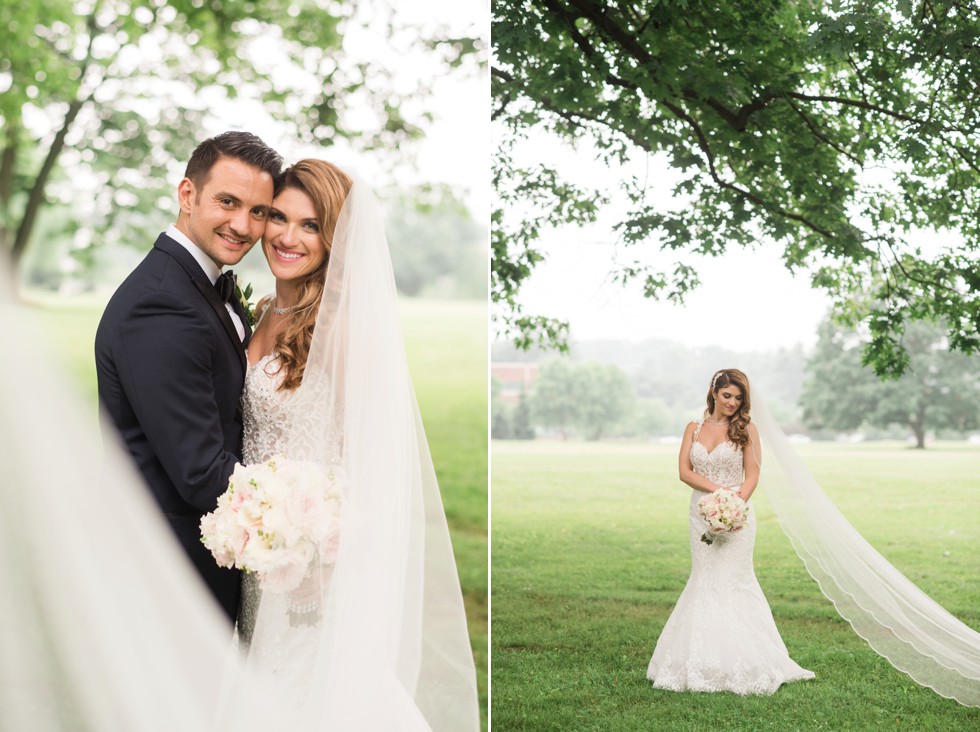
column 393, row 652
column 103, row 624
column 884, row 607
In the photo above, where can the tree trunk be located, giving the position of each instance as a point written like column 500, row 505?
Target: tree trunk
column 7, row 161
column 918, row 426
column 36, row 197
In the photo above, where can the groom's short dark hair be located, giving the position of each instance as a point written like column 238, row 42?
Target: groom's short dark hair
column 242, row 146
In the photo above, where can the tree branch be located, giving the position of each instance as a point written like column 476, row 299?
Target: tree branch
column 7, row 163
column 966, row 158
column 507, row 98
column 860, row 103
column 741, row 192
column 820, row 136
column 36, row 196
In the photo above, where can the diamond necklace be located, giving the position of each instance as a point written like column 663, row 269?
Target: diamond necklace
column 283, row 311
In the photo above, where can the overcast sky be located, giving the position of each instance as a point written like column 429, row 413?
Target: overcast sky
column 747, row 299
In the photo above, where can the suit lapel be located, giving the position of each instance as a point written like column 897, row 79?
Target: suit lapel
column 193, row 269
column 211, row 295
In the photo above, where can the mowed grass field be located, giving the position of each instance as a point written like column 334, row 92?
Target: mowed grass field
column 447, row 351
column 590, row 553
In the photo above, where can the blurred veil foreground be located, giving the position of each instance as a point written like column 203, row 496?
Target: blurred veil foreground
column 103, row 623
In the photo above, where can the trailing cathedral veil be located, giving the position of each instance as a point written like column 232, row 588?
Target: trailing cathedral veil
column 900, row 622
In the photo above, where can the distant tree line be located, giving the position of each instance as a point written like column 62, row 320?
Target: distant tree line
column 589, row 400
column 438, row 249
column 653, row 389
column 939, row 392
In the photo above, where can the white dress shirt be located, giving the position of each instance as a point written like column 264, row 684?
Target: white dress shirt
column 211, row 270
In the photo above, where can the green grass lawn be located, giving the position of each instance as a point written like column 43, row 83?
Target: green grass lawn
column 590, row 553
column 447, row 351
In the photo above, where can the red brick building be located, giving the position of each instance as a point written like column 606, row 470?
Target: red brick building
column 515, row 378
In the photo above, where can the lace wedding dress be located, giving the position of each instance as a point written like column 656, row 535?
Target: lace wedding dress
column 721, row 635
column 280, row 648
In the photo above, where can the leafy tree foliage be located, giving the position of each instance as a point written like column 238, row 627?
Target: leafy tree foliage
column 940, row 389
column 648, row 417
column 500, row 424
column 591, row 397
column 438, row 249
column 605, row 396
column 842, row 130
column 521, row 420
column 553, row 402
column 500, row 428
column 115, row 91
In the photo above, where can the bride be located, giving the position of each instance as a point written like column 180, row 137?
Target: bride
column 380, row 642
column 721, row 635
column 327, row 382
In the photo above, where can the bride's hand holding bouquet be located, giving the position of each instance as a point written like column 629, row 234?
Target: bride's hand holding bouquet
column 724, row 511
column 277, row 519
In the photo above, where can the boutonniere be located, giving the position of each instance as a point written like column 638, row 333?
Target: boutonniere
column 243, row 296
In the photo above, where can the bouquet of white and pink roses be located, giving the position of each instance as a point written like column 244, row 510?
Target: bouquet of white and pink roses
column 724, row 511
column 275, row 519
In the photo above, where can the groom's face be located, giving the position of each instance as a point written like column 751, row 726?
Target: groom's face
column 225, row 215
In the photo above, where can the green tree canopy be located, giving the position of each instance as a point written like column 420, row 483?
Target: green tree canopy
column 438, row 249
column 553, row 401
column 521, row 420
column 939, row 391
column 840, row 130
column 589, row 397
column 115, row 93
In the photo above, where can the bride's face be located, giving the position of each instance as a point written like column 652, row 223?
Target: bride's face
column 292, row 243
column 728, row 400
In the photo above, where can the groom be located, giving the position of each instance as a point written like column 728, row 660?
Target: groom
column 170, row 348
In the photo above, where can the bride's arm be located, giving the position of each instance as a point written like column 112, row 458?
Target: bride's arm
column 695, row 480
column 751, row 463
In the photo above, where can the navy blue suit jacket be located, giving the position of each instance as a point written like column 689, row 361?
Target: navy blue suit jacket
column 171, row 368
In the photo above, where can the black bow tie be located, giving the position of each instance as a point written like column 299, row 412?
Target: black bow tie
column 225, row 285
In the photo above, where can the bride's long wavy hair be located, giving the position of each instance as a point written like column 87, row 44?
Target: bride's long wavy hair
column 327, row 186
column 738, row 427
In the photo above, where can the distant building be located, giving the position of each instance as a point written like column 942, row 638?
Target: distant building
column 515, row 379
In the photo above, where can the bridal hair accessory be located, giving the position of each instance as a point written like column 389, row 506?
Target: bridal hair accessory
column 715, row 379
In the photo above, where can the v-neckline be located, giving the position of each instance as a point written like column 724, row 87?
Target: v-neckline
column 710, row 452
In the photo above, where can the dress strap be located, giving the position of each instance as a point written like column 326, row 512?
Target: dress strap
column 264, row 304
column 697, row 430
